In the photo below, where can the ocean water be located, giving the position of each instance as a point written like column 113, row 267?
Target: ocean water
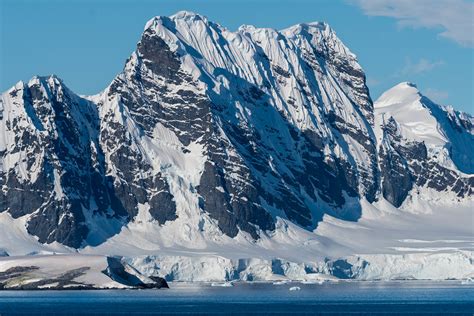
column 354, row 298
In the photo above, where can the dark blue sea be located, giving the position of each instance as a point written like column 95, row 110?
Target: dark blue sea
column 354, row 298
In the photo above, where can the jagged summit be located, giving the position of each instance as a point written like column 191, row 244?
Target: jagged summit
column 188, row 22
column 246, row 52
column 188, row 16
column 47, row 77
column 184, row 14
column 191, row 16
column 36, row 79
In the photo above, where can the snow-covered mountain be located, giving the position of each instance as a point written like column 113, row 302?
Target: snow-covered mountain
column 212, row 139
column 422, row 145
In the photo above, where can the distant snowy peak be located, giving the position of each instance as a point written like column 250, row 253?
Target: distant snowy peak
column 405, row 97
column 404, row 103
column 400, row 93
column 422, row 145
column 445, row 131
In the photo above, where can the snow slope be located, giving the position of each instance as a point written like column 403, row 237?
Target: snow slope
column 408, row 246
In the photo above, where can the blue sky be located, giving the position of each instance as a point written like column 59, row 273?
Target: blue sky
column 86, row 43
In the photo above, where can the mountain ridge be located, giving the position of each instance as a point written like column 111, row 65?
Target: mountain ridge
column 210, row 134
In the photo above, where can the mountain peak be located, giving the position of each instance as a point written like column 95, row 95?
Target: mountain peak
column 184, row 14
column 404, row 86
column 51, row 79
column 298, row 28
column 402, row 93
column 407, row 84
column 255, row 78
column 420, row 119
column 187, row 16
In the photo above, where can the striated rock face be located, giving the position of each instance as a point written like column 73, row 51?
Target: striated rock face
column 52, row 166
column 282, row 119
column 213, row 129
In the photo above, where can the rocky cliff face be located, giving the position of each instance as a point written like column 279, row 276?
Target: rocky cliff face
column 52, row 166
column 213, row 129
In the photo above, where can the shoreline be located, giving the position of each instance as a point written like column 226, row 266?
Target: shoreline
column 176, row 285
column 92, row 272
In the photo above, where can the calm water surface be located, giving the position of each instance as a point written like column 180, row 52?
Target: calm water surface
column 355, row 298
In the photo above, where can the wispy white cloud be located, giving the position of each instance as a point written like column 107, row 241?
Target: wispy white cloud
column 436, row 95
column 454, row 17
column 422, row 66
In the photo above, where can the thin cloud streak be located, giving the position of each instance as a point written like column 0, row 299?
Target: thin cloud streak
column 454, row 17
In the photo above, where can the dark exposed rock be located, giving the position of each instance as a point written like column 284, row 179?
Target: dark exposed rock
column 158, row 57
column 160, row 283
column 281, row 71
column 64, row 281
column 13, row 278
column 15, row 272
column 163, row 207
column 404, row 164
column 396, row 179
column 342, row 269
column 126, row 275
column 116, row 271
